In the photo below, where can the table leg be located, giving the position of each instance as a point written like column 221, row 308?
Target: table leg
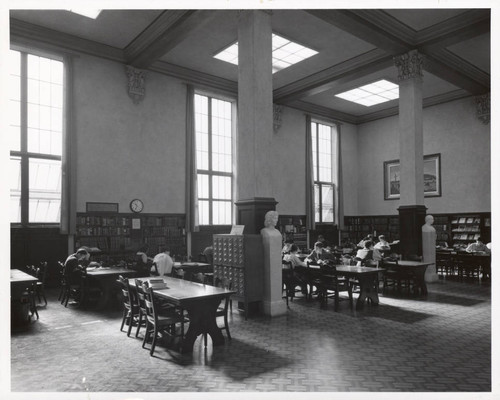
column 367, row 290
column 420, row 279
column 202, row 319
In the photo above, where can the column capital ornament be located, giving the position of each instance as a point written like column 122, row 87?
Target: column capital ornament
column 410, row 65
column 277, row 110
column 136, row 83
column 483, row 107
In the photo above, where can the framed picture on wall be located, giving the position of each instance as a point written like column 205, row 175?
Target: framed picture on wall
column 432, row 177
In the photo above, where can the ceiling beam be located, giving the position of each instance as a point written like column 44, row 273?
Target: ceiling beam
column 357, row 67
column 464, row 26
column 381, row 30
column 166, row 32
column 364, row 29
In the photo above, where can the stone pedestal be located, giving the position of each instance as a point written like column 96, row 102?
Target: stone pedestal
column 273, row 304
column 411, row 219
column 429, row 252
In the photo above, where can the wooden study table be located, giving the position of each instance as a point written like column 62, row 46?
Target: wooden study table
column 368, row 282
column 106, row 277
column 366, row 276
column 19, row 282
column 415, row 268
column 200, row 301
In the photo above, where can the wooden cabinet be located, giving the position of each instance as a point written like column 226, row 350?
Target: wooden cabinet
column 239, row 263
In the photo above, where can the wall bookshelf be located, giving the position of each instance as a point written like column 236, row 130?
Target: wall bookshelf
column 356, row 228
column 119, row 236
column 293, row 227
column 454, row 229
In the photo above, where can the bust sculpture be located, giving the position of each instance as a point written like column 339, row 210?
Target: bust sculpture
column 270, row 220
column 429, row 248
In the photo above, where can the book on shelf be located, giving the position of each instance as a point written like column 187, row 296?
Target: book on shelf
column 462, row 220
column 470, row 220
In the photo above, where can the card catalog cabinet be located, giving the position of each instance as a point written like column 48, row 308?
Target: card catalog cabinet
column 239, row 262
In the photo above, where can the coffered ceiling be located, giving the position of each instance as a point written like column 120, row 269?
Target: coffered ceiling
column 355, row 47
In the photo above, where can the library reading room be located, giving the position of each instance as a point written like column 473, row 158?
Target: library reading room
column 248, row 200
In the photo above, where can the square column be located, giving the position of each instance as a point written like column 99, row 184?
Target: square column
column 411, row 147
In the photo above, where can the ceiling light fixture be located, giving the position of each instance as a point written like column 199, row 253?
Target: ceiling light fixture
column 371, row 94
column 285, row 53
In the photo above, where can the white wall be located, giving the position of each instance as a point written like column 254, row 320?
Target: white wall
column 128, row 151
column 451, row 129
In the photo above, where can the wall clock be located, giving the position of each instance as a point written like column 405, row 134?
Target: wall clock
column 136, row 205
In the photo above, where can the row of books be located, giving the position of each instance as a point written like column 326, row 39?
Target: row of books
column 162, row 231
column 102, row 231
column 464, row 236
column 466, row 228
column 467, row 220
column 92, row 220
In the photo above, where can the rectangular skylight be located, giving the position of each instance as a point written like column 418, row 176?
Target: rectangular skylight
column 86, row 12
column 285, row 53
column 371, row 94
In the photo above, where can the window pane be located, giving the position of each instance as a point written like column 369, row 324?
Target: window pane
column 327, row 203
column 221, row 187
column 204, row 217
column 221, row 212
column 203, row 186
column 14, row 125
column 44, row 190
column 316, row 204
column 15, row 189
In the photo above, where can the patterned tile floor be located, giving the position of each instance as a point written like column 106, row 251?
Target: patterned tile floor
column 438, row 343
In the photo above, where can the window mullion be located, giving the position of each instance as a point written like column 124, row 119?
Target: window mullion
column 210, row 169
column 24, row 141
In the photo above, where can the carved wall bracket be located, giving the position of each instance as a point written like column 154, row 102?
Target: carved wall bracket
column 277, row 110
column 483, row 104
column 136, row 83
column 410, row 65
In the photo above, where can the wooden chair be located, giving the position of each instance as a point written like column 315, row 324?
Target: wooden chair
column 331, row 284
column 41, row 273
column 291, row 280
column 155, row 323
column 141, row 304
column 62, row 280
column 130, row 306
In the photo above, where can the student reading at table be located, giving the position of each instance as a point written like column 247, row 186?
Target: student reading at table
column 369, row 256
column 317, row 255
column 286, row 247
column 477, row 246
column 73, row 264
column 164, row 262
column 293, row 257
column 143, row 263
column 361, row 243
column 382, row 244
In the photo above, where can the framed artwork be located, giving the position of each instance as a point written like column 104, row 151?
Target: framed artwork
column 432, row 177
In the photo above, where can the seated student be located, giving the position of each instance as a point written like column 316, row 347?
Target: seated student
column 293, row 258
column 286, row 247
column 164, row 262
column 322, row 239
column 74, row 263
column 317, row 255
column 382, row 244
column 361, row 243
column 367, row 255
column 143, row 263
column 478, row 246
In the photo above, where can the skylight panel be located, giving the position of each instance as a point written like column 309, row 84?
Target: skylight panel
column 285, row 53
column 86, row 12
column 371, row 94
